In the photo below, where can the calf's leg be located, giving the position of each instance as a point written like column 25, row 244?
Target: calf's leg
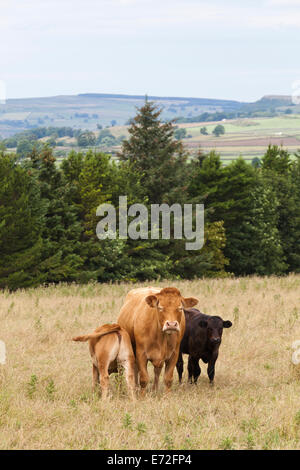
column 104, row 380
column 191, row 369
column 103, row 366
column 95, row 377
column 211, row 367
column 197, row 370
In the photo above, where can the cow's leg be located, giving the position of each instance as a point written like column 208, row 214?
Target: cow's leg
column 135, row 368
column 191, row 369
column 179, row 367
column 144, row 376
column 157, row 371
column 104, row 377
column 197, row 370
column 95, row 377
column 169, row 370
column 128, row 365
column 211, row 367
column 136, row 373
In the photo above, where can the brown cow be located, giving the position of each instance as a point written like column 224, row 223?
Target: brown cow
column 154, row 319
column 110, row 345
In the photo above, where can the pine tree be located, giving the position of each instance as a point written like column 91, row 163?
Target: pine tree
column 98, row 179
column 21, row 224
column 158, row 157
column 236, row 194
column 227, row 197
column 62, row 230
column 161, row 164
column 276, row 159
column 207, row 178
column 283, row 175
column 294, row 251
column 207, row 262
column 265, row 255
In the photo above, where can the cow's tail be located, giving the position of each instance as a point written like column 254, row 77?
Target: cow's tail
column 101, row 331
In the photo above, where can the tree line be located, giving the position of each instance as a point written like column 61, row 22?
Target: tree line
column 24, row 142
column 48, row 212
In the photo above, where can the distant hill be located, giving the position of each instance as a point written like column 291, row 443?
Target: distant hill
column 279, row 99
column 270, row 102
column 88, row 110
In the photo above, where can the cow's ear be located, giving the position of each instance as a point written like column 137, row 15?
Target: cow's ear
column 227, row 324
column 152, row 300
column 189, row 302
column 203, row 323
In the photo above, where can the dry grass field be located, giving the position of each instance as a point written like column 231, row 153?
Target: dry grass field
column 46, row 398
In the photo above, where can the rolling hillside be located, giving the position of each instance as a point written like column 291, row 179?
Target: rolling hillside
column 87, row 110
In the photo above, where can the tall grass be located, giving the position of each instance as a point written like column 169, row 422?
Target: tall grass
column 46, row 398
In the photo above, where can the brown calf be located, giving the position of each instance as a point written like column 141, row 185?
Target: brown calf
column 109, row 345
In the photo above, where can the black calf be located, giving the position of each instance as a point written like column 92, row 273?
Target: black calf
column 202, row 339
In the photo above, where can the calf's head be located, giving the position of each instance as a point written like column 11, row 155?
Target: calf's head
column 215, row 327
column 169, row 305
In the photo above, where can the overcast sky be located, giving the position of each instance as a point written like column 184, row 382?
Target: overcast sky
column 215, row 49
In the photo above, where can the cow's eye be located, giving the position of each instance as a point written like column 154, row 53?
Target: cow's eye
column 160, row 308
column 180, row 309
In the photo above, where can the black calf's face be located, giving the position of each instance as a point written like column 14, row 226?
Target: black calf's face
column 215, row 327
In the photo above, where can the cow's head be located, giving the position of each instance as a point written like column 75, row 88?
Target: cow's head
column 169, row 305
column 214, row 326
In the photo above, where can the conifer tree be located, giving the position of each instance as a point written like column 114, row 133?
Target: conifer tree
column 62, row 229
column 21, row 224
column 227, row 197
column 159, row 158
column 294, row 250
column 283, row 175
column 265, row 255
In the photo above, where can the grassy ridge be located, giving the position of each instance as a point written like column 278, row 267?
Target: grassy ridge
column 46, row 399
column 87, row 110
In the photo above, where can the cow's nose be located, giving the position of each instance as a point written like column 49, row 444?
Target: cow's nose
column 173, row 325
column 216, row 340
